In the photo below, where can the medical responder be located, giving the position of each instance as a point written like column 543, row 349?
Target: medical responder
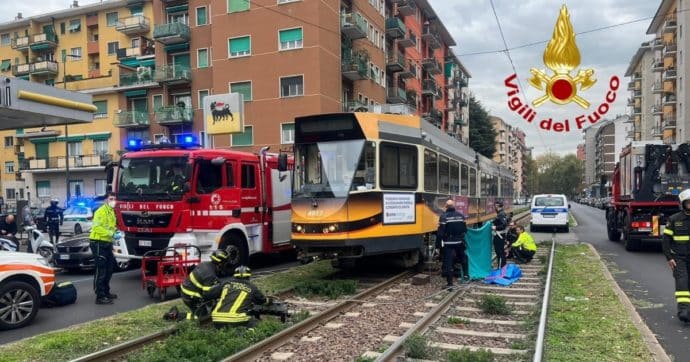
column 101, row 237
column 500, row 226
column 676, row 247
column 202, row 284
column 236, row 303
column 450, row 237
column 523, row 248
column 53, row 217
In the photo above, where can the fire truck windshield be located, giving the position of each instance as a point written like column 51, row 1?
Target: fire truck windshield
column 326, row 169
column 153, row 178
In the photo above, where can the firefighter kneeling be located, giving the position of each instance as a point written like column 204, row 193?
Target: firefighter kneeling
column 676, row 246
column 237, row 301
column 203, row 285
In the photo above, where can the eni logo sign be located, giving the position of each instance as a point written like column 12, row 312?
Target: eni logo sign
column 560, row 87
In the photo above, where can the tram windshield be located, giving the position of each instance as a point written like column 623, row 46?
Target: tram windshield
column 328, row 169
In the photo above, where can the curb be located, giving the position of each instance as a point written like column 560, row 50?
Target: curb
column 657, row 351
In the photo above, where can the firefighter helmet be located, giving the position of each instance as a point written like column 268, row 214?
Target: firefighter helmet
column 243, row 272
column 684, row 196
column 219, row 257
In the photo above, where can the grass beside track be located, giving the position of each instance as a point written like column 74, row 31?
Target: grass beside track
column 587, row 321
column 93, row 336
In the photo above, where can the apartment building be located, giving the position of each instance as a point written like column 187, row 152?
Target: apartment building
column 645, row 106
column 458, row 109
column 511, row 151
column 608, row 141
column 580, row 153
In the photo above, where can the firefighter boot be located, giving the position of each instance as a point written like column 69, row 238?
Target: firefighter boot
column 684, row 312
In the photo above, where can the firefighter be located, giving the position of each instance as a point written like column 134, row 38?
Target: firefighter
column 499, row 233
column 53, row 217
column 202, row 284
column 236, row 303
column 451, row 238
column 178, row 179
column 676, row 247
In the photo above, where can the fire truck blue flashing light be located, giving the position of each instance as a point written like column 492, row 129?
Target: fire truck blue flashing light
column 134, row 144
column 188, row 140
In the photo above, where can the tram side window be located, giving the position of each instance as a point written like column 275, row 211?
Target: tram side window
column 483, row 184
column 365, row 175
column 248, row 177
column 430, row 171
column 473, row 182
column 443, row 176
column 493, row 191
column 454, row 177
column 398, row 166
column 464, row 180
column 209, row 178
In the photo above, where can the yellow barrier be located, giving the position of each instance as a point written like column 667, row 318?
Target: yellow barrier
column 55, row 101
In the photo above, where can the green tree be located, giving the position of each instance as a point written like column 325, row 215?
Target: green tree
column 482, row 132
column 551, row 173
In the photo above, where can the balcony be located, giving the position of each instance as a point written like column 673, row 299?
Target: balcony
column 407, row 7
column 656, row 131
column 631, row 85
column 21, row 69
column 173, row 74
column 395, row 27
column 657, row 65
column 410, row 40
column 637, row 110
column 131, row 119
column 656, row 109
column 395, row 62
column 670, row 74
column 76, row 163
column 669, row 99
column 92, row 47
column 94, row 72
column 670, row 49
column 631, row 102
column 132, row 25
column 637, row 93
column 657, row 43
column 396, row 95
column 657, row 88
column 670, row 25
column 432, row 66
column 353, row 25
column 43, row 41
column 429, row 87
column 355, row 69
column 173, row 115
column 144, row 77
column 92, row 20
column 459, row 121
column 354, row 106
column 429, row 35
column 21, row 43
column 410, row 71
column 171, row 33
column 139, row 51
column 46, row 67
column 637, row 76
column 670, row 122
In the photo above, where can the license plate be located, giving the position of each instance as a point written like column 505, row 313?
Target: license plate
column 644, row 230
column 144, row 242
column 64, row 256
column 548, row 215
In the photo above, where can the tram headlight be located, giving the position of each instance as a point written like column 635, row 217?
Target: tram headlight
column 333, row 228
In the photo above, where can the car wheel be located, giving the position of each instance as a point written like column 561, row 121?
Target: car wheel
column 19, row 303
column 77, row 229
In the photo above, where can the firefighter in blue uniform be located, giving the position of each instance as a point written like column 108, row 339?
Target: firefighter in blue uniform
column 676, row 247
column 450, row 238
column 53, row 217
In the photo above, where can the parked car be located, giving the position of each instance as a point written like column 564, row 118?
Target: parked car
column 77, row 220
column 74, row 253
column 24, row 280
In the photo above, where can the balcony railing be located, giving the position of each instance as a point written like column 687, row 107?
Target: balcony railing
column 657, row 65
column 59, row 162
column 131, row 119
column 637, row 76
column 669, row 74
column 657, row 87
column 354, row 106
column 631, row 102
column 407, row 7
column 408, row 71
column 46, row 67
column 173, row 115
column 637, row 110
column 670, row 122
column 395, row 62
column 395, row 27
column 670, row 49
column 396, row 95
column 144, row 76
column 429, row 35
column 92, row 47
column 21, row 69
column 136, row 51
column 669, row 99
column 43, row 41
column 432, row 65
column 631, row 85
column 173, row 74
column 171, row 33
column 670, row 25
column 656, row 109
column 20, row 43
column 657, row 43
column 353, row 25
column 355, row 69
column 429, row 87
column 135, row 24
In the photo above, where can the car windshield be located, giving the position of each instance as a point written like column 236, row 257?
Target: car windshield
column 158, row 178
column 76, row 210
column 549, row 201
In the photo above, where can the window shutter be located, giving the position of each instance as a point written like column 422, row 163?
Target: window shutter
column 238, row 45
column 290, row 35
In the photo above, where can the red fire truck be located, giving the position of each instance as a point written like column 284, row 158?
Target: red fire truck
column 645, row 188
column 212, row 198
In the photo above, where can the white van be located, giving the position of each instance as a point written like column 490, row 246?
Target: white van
column 549, row 211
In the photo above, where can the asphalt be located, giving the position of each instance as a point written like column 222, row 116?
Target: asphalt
column 127, row 285
column 644, row 276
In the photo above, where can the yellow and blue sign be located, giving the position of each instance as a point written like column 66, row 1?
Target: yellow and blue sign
column 224, row 113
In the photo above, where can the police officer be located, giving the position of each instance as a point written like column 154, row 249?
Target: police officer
column 101, row 237
column 450, row 237
column 676, row 247
column 500, row 227
column 202, row 284
column 53, row 217
column 237, row 301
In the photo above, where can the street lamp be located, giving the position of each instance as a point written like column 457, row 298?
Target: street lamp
column 64, row 85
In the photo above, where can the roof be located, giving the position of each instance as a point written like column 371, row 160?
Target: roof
column 456, row 60
column 660, row 16
column 637, row 58
column 425, row 6
column 65, row 13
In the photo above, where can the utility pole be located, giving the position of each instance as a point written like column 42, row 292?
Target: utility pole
column 64, row 85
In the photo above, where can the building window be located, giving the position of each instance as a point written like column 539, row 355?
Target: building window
column 62, row 28
column 157, row 102
column 74, row 149
column 243, row 88
column 292, row 86
column 9, row 167
column 202, row 58
column 6, row 65
column 43, row 188
column 10, row 194
column 202, row 94
column 201, row 16
column 9, row 141
column 290, row 38
column 239, row 47
column 101, row 109
column 287, row 133
column 112, row 47
column 74, row 25
column 245, row 138
column 111, row 19
column 99, row 187
column 100, row 147
column 238, row 5
column 76, row 187
column 5, row 39
column 76, row 53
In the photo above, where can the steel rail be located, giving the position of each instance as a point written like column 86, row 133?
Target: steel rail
column 278, row 339
column 539, row 347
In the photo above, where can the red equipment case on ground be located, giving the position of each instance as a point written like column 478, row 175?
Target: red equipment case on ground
column 168, row 267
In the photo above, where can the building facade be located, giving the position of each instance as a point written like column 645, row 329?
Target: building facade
column 645, row 108
column 511, row 152
column 609, row 140
column 580, row 154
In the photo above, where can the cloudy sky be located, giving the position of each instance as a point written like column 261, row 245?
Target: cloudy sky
column 472, row 24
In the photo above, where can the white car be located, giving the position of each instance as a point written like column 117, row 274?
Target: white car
column 24, row 280
column 77, row 220
column 549, row 211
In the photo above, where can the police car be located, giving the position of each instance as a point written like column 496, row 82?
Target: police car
column 549, row 212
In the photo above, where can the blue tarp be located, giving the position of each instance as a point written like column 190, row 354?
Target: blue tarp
column 505, row 276
column 479, row 248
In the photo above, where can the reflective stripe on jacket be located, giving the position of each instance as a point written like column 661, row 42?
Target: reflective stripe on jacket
column 104, row 222
column 238, row 298
column 676, row 240
column 202, row 282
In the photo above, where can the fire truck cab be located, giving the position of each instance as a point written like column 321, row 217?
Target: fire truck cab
column 172, row 194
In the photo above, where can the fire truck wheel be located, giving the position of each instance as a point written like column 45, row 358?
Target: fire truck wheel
column 630, row 245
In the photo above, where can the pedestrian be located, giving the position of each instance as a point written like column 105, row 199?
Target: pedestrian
column 450, row 238
column 499, row 227
column 676, row 247
column 102, row 232
column 236, row 304
column 523, row 248
column 27, row 217
column 8, row 226
column 202, row 284
column 54, row 218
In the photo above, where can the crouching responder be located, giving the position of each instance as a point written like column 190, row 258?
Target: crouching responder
column 202, row 284
column 451, row 238
column 523, row 248
column 236, row 304
column 676, row 249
